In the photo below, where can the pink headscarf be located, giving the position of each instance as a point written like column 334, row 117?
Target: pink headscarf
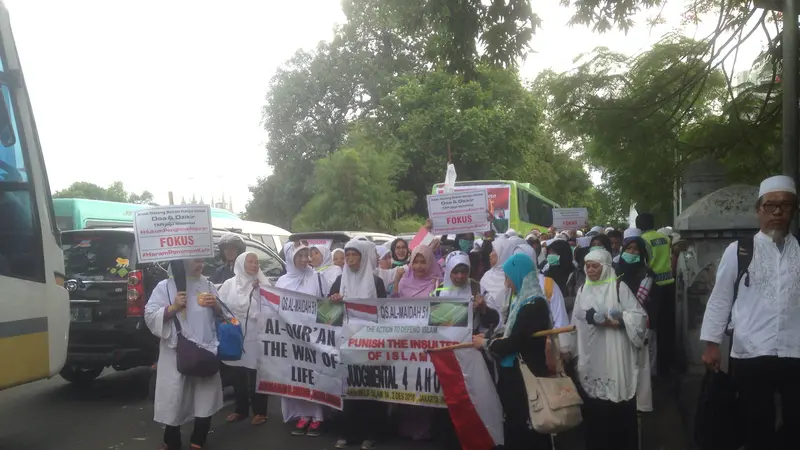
column 412, row 286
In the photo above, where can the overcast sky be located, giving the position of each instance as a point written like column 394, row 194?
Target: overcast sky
column 167, row 95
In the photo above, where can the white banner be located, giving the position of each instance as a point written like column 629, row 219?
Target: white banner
column 384, row 343
column 167, row 233
column 570, row 218
column 459, row 212
column 300, row 355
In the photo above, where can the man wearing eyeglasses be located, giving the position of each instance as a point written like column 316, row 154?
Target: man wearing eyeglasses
column 765, row 354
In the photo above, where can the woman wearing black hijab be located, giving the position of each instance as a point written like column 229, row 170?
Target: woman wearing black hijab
column 632, row 269
column 561, row 270
column 400, row 252
column 601, row 240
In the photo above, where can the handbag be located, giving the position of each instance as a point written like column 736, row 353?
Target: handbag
column 716, row 422
column 193, row 360
column 553, row 402
column 230, row 336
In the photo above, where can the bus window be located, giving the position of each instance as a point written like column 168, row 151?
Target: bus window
column 541, row 213
column 20, row 238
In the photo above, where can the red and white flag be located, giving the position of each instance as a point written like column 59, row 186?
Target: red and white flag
column 475, row 408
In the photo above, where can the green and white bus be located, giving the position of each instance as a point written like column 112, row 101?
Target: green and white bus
column 80, row 213
column 513, row 204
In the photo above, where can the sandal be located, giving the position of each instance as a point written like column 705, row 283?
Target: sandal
column 235, row 417
column 195, row 446
column 258, row 419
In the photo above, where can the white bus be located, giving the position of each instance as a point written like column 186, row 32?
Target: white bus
column 34, row 308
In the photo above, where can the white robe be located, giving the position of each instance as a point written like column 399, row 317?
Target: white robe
column 308, row 282
column 179, row 398
column 244, row 302
column 608, row 366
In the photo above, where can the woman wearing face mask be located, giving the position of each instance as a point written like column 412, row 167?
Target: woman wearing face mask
column 400, row 252
column 601, row 241
column 465, row 242
column 611, row 326
column 493, row 284
column 418, row 282
column 635, row 273
column 243, row 297
column 322, row 262
column 559, row 264
column 363, row 418
column 338, row 258
column 527, row 314
column 300, row 277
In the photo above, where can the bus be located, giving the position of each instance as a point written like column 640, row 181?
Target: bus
column 80, row 213
column 34, row 306
column 512, row 204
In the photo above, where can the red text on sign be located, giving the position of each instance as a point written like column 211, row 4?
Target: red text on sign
column 459, row 219
column 177, row 241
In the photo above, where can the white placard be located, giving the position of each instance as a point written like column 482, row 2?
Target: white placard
column 459, row 212
column 570, row 218
column 167, row 233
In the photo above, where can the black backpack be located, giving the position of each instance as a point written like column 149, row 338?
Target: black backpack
column 744, row 256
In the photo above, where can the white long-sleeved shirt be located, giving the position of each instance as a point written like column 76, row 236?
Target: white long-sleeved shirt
column 766, row 315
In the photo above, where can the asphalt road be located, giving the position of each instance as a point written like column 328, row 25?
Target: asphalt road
column 114, row 413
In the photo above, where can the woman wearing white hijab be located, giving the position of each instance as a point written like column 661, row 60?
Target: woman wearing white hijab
column 457, row 283
column 300, row 277
column 363, row 418
column 386, row 269
column 611, row 330
column 322, row 262
column 241, row 294
column 493, row 283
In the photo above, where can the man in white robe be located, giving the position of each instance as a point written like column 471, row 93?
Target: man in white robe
column 765, row 354
column 180, row 398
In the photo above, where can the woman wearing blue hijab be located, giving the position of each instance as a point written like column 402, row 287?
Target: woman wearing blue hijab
column 528, row 313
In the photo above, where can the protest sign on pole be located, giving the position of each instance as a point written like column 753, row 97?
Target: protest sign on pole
column 570, row 218
column 167, row 233
column 459, row 212
column 300, row 356
column 384, row 343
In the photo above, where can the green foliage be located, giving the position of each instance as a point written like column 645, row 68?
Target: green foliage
column 640, row 121
column 404, row 77
column 113, row 193
column 407, row 224
column 353, row 190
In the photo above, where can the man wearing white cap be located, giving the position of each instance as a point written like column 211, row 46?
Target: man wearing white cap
column 765, row 354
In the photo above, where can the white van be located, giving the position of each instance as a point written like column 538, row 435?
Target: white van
column 272, row 236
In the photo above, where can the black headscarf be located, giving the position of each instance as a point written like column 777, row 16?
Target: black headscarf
column 605, row 241
column 560, row 273
column 632, row 274
column 396, row 261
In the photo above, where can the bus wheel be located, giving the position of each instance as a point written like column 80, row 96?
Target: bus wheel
column 80, row 375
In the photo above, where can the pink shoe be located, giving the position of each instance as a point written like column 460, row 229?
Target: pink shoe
column 315, row 429
column 300, row 428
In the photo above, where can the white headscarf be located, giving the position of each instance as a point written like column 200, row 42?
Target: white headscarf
column 305, row 280
column 607, row 357
column 236, row 292
column 477, row 245
column 450, row 290
column 328, row 270
column 382, row 252
column 493, row 283
column 360, row 283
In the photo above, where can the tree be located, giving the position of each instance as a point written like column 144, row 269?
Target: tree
column 631, row 118
column 353, row 190
column 113, row 193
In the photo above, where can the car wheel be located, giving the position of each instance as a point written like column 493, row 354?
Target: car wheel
column 80, row 375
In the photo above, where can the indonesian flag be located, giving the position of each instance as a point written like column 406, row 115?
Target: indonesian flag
column 471, row 398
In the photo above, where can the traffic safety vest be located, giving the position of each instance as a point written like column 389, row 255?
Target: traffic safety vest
column 658, row 249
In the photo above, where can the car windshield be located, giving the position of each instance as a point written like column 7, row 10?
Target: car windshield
column 98, row 256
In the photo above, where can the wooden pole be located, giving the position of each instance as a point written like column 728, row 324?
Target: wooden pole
column 542, row 333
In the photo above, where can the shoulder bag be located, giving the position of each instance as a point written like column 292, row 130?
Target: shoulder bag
column 192, row 360
column 553, row 402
